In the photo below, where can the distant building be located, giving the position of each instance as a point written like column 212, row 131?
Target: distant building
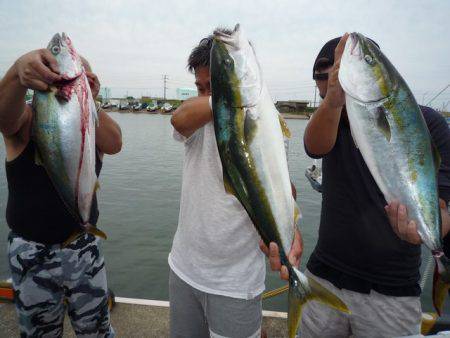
column 291, row 106
column 186, row 93
column 104, row 93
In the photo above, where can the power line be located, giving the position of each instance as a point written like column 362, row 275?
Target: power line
column 438, row 94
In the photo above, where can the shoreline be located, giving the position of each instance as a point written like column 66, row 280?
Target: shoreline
column 288, row 116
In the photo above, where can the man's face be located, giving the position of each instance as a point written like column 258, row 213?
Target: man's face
column 203, row 81
column 323, row 84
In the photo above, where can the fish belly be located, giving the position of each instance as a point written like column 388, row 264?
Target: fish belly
column 67, row 155
column 269, row 155
column 400, row 165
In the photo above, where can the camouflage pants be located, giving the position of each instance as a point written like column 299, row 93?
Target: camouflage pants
column 49, row 279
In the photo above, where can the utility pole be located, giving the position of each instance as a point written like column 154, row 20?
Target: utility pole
column 315, row 93
column 165, row 86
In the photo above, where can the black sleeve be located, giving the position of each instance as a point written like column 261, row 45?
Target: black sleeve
column 440, row 133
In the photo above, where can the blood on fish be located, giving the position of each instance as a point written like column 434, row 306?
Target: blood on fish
column 83, row 98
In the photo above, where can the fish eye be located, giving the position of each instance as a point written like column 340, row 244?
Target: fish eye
column 227, row 61
column 55, row 50
column 368, row 59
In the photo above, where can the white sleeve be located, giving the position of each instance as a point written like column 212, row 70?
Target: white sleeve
column 183, row 139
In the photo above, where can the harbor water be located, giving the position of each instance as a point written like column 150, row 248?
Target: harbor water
column 139, row 203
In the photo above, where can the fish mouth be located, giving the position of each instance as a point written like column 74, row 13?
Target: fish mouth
column 65, row 87
column 66, row 80
column 355, row 53
column 355, row 46
column 232, row 39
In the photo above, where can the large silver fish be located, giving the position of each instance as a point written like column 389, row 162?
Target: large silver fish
column 64, row 131
column 251, row 147
column 392, row 136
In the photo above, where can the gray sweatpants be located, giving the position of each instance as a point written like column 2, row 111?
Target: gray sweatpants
column 46, row 276
column 372, row 315
column 197, row 314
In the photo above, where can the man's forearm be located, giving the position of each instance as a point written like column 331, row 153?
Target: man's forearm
column 12, row 102
column 192, row 115
column 108, row 135
column 321, row 131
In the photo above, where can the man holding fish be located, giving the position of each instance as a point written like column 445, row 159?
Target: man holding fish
column 217, row 269
column 368, row 253
column 54, row 257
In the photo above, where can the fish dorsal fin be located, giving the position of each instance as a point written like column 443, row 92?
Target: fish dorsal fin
column 436, row 156
column 382, row 122
column 297, row 213
column 284, row 127
column 95, row 112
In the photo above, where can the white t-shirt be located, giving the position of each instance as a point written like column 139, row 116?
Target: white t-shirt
column 216, row 246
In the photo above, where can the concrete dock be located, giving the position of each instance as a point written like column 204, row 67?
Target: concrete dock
column 138, row 318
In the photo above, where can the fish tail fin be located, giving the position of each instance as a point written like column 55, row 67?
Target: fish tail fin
column 441, row 282
column 97, row 186
column 303, row 289
column 88, row 228
column 93, row 230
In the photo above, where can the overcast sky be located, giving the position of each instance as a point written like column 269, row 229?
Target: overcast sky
column 131, row 44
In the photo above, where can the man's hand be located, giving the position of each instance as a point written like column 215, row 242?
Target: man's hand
column 335, row 97
column 321, row 131
column 94, row 83
column 274, row 255
column 407, row 230
column 37, row 69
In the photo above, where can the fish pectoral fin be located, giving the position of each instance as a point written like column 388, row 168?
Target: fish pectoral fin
column 436, row 156
column 323, row 295
column 383, row 123
column 284, row 127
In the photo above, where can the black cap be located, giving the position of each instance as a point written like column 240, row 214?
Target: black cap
column 325, row 58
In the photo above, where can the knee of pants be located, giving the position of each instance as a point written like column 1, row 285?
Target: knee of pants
column 231, row 317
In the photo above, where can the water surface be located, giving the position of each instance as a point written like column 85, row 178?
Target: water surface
column 139, row 203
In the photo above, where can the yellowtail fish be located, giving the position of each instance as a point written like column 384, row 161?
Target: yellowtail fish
column 249, row 134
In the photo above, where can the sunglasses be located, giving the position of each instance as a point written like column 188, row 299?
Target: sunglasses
column 320, row 76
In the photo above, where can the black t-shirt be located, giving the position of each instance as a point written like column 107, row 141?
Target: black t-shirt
column 357, row 248
column 35, row 210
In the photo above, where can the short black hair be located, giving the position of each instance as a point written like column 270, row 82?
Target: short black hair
column 200, row 55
